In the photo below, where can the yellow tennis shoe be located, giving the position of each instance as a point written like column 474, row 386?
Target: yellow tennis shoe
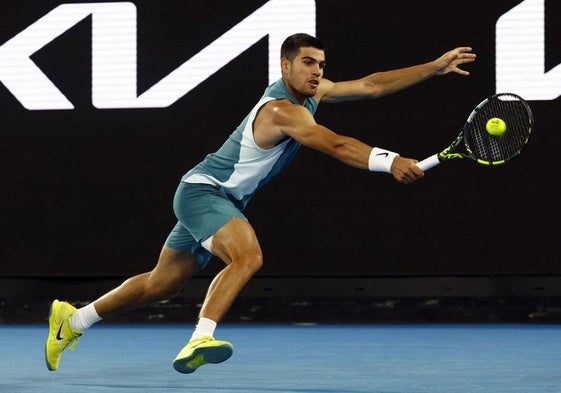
column 202, row 351
column 61, row 335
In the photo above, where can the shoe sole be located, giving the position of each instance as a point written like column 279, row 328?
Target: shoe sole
column 48, row 338
column 201, row 356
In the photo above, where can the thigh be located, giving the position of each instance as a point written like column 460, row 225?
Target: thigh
column 201, row 210
column 236, row 240
column 174, row 266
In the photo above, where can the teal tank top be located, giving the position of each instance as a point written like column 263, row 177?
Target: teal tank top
column 240, row 167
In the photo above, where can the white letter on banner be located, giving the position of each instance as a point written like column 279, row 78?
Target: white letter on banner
column 520, row 54
column 277, row 18
column 114, row 45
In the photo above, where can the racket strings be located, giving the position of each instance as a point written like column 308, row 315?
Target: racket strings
column 497, row 149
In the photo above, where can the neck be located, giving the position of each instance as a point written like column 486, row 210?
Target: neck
column 299, row 97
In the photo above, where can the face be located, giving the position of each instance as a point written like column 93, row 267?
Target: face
column 303, row 74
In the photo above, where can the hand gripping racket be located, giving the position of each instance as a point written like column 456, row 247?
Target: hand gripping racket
column 495, row 131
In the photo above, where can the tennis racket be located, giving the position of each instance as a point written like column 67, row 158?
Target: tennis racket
column 493, row 147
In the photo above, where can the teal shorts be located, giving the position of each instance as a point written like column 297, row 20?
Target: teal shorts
column 201, row 210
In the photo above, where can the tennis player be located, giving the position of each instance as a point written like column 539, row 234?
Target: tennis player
column 211, row 196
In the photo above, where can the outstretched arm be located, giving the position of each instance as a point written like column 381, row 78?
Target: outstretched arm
column 298, row 123
column 387, row 82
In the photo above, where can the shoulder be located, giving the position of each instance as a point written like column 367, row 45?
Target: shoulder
column 275, row 120
column 283, row 112
column 281, row 107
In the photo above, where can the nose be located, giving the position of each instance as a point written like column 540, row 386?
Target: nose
column 317, row 70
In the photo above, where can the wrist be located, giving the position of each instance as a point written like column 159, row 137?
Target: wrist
column 380, row 160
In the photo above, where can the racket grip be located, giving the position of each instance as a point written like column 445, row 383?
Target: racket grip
column 429, row 162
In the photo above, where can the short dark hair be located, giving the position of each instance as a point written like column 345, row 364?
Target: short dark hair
column 291, row 46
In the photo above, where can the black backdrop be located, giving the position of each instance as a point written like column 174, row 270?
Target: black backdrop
column 87, row 192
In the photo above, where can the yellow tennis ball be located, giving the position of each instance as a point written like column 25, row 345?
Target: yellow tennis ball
column 495, row 126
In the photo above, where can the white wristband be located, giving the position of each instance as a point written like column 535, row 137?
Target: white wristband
column 380, row 160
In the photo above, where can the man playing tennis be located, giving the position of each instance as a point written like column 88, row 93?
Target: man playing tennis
column 211, row 197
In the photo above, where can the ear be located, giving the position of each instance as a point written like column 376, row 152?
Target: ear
column 285, row 65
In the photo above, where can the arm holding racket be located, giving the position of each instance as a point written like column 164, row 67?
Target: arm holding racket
column 387, row 82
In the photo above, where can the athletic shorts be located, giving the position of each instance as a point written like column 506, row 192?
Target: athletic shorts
column 201, row 210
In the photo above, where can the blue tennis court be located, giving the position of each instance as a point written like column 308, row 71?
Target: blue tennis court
column 294, row 359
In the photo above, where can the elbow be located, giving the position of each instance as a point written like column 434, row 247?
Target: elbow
column 373, row 90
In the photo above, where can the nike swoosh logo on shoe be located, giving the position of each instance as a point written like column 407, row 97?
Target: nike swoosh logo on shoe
column 58, row 336
column 199, row 344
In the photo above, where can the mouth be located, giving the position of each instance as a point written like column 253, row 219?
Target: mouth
column 314, row 83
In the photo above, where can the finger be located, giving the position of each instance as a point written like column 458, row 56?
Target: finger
column 417, row 172
column 407, row 179
column 466, row 59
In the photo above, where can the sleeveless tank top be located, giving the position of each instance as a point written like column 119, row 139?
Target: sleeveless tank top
column 240, row 167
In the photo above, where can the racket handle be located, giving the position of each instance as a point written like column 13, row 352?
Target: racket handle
column 429, row 162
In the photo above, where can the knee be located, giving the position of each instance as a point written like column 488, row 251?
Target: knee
column 247, row 263
column 253, row 262
column 256, row 262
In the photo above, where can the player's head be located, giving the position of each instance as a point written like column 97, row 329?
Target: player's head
column 302, row 63
column 291, row 45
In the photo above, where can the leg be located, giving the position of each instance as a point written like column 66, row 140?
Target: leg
column 174, row 267
column 237, row 245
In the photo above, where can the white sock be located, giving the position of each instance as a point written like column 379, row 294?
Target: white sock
column 205, row 328
column 84, row 317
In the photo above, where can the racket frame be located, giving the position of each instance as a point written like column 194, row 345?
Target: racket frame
column 449, row 153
